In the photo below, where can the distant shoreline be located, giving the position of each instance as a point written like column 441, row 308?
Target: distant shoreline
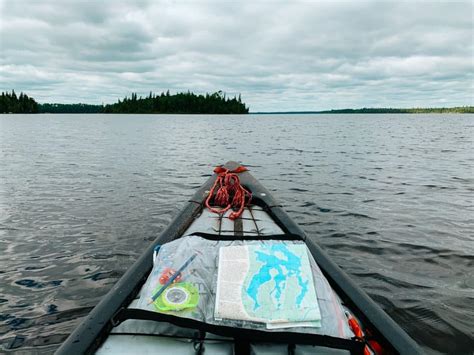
column 459, row 109
column 441, row 110
column 186, row 103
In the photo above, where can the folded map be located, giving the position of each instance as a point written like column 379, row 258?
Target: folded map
column 269, row 282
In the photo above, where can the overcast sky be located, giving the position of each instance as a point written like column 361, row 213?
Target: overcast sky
column 278, row 55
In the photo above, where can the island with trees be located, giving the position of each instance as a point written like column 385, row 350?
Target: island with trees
column 190, row 103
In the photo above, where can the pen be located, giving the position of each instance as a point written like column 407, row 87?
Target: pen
column 172, row 278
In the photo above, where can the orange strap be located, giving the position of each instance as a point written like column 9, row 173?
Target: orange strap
column 356, row 329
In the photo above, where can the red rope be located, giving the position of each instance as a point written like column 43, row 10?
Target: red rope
column 229, row 193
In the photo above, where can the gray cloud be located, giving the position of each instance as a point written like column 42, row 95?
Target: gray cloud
column 279, row 56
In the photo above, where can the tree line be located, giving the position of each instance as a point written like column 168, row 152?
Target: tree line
column 216, row 103
column 460, row 109
column 70, row 108
column 190, row 103
column 13, row 103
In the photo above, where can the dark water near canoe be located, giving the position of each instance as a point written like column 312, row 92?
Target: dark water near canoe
column 389, row 197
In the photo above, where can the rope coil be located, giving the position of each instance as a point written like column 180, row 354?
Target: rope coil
column 228, row 192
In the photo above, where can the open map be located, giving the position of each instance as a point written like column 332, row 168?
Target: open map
column 270, row 283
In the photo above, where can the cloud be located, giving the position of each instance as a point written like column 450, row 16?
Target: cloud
column 278, row 55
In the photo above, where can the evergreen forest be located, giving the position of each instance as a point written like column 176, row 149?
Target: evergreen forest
column 216, row 103
column 10, row 102
column 182, row 103
column 188, row 103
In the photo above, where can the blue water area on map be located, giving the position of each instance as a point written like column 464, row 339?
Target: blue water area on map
column 291, row 263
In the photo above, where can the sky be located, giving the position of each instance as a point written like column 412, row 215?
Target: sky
column 279, row 55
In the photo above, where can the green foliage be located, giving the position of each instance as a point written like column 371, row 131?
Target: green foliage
column 70, row 108
column 190, row 103
column 11, row 103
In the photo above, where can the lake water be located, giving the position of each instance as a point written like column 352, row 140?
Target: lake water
column 389, row 197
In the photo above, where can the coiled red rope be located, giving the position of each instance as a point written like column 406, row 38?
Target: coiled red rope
column 228, row 192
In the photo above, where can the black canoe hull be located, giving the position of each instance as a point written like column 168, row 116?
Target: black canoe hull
column 94, row 328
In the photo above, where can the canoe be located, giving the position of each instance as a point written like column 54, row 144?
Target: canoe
column 251, row 284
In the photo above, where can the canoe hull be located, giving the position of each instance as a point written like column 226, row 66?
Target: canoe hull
column 95, row 328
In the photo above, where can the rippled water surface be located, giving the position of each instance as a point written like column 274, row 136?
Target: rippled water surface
column 389, row 197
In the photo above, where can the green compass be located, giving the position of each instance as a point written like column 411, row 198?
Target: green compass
column 178, row 296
